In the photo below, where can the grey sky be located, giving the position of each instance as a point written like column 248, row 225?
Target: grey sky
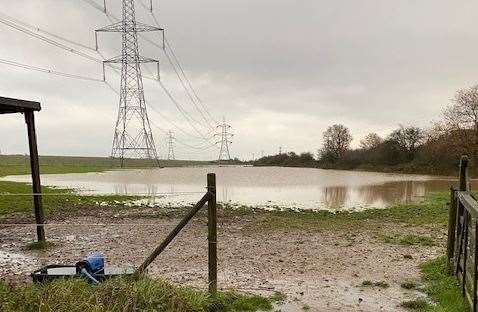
column 281, row 71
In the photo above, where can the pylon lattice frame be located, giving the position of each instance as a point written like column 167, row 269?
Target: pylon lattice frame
column 171, row 139
column 224, row 153
column 133, row 137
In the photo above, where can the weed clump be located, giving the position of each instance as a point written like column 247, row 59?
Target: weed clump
column 417, row 304
column 408, row 285
column 122, row 295
column 381, row 284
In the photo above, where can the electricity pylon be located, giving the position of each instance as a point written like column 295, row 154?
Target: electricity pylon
column 225, row 135
column 171, row 146
column 132, row 137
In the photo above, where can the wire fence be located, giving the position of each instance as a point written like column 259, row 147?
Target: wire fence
column 105, row 194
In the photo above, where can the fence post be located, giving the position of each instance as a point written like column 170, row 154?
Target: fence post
column 35, row 168
column 212, row 233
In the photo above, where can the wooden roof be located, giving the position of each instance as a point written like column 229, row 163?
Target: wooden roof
column 9, row 106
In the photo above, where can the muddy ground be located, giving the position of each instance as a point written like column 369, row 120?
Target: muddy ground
column 320, row 270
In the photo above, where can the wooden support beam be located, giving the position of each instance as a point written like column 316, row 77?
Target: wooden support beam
column 35, row 170
column 212, row 234
column 172, row 234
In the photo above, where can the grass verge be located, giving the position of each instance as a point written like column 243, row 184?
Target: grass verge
column 431, row 211
column 442, row 288
column 409, row 240
column 51, row 200
column 20, row 164
column 122, row 295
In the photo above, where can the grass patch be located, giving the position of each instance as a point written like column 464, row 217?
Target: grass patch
column 408, row 285
column 278, row 296
column 431, row 211
column 51, row 202
column 381, row 284
column 410, row 240
column 122, row 295
column 442, row 288
column 20, row 164
column 416, row 304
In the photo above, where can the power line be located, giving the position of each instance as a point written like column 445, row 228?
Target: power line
column 38, row 29
column 47, row 71
column 181, row 109
column 12, row 24
column 168, row 93
column 96, row 5
column 187, row 91
column 168, row 45
column 165, row 118
column 48, row 40
column 34, row 32
column 208, row 146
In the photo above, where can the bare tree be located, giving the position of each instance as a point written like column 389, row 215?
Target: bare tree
column 372, row 140
column 461, row 120
column 408, row 138
column 337, row 139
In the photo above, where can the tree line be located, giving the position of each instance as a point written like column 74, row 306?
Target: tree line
column 435, row 150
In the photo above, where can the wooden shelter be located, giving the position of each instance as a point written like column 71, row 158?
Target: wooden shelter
column 28, row 109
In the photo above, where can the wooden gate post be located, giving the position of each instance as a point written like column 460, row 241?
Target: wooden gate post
column 212, row 234
column 451, row 226
column 35, row 168
column 458, row 223
column 463, row 174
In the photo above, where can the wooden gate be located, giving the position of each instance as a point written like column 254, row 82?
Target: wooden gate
column 463, row 237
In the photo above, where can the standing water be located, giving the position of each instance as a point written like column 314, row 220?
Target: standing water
column 266, row 187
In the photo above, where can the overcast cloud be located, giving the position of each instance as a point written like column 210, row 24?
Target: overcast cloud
column 280, row 71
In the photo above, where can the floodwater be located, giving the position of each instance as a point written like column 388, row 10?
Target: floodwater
column 265, row 187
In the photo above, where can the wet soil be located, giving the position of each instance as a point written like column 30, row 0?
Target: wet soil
column 320, row 270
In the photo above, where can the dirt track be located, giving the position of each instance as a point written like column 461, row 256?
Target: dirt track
column 321, row 270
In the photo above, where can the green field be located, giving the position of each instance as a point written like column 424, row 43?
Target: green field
column 20, row 164
column 144, row 295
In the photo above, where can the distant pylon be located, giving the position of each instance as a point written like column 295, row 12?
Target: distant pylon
column 132, row 137
column 225, row 135
column 171, row 146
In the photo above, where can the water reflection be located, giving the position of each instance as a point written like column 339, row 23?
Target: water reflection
column 266, row 186
column 381, row 195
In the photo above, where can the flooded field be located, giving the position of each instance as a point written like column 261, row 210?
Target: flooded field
column 267, row 187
